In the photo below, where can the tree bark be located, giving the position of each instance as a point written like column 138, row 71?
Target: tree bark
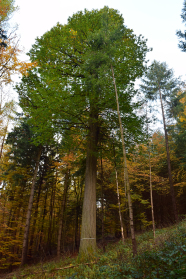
column 150, row 176
column 66, row 185
column 134, row 245
column 168, row 162
column 88, row 228
column 78, row 195
column 45, row 212
column 50, row 232
column 35, row 218
column 2, row 145
column 28, row 217
column 119, row 205
column 151, row 197
column 102, row 208
column 76, row 242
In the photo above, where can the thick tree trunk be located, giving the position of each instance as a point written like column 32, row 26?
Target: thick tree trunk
column 66, row 185
column 28, row 217
column 88, row 228
column 168, row 162
column 134, row 245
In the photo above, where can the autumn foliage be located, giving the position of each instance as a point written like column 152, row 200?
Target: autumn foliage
column 65, row 94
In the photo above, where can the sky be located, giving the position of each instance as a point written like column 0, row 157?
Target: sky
column 156, row 20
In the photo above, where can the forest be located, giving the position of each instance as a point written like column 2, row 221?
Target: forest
column 82, row 163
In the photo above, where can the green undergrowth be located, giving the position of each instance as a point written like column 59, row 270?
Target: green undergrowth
column 162, row 257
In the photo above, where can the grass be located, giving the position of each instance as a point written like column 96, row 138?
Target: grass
column 162, row 257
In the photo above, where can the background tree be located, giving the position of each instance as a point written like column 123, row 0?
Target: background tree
column 179, row 111
column 126, row 177
column 159, row 81
column 7, row 111
column 10, row 64
column 182, row 35
column 6, row 9
column 23, row 144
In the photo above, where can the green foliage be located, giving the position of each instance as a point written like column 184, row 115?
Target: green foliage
column 180, row 147
column 178, row 130
column 23, row 151
column 182, row 35
column 166, row 263
column 73, row 77
column 159, row 78
column 164, row 257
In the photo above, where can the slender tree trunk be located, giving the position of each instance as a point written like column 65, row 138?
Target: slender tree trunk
column 4, row 197
column 78, row 193
column 150, row 176
column 88, row 228
column 76, row 228
column 28, row 217
column 40, row 238
column 134, row 245
column 35, row 218
column 168, row 162
column 102, row 208
column 119, row 205
column 2, row 144
column 50, row 233
column 151, row 197
column 66, row 185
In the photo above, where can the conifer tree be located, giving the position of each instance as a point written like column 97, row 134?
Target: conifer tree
column 26, row 153
column 70, row 88
column 182, row 35
column 160, row 82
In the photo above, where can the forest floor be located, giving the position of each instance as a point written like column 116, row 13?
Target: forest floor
column 162, row 257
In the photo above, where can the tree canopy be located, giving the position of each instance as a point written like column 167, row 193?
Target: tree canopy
column 73, row 70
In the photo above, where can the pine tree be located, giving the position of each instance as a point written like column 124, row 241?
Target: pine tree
column 159, row 81
column 182, row 35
